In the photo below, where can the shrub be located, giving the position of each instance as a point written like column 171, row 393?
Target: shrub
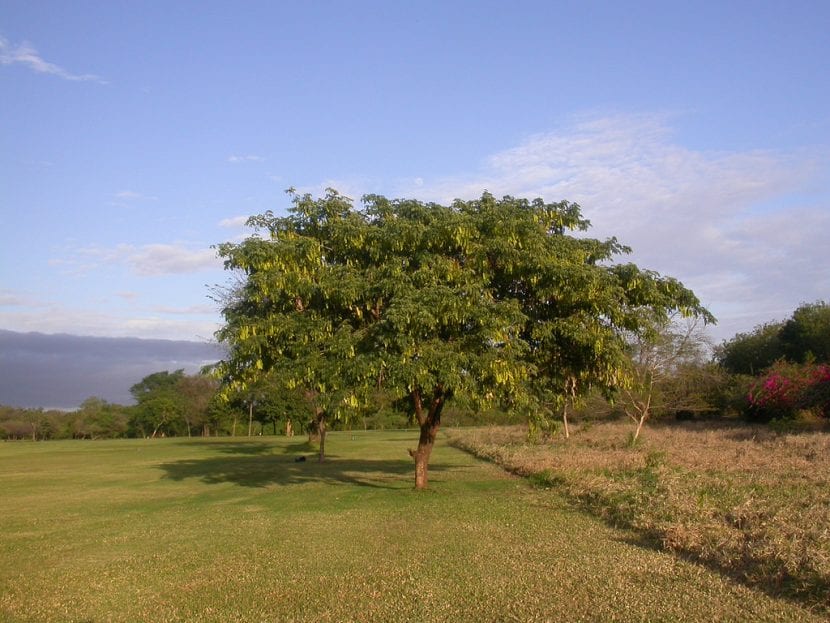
column 788, row 388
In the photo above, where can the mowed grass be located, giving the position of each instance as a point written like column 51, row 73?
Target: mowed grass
column 236, row 530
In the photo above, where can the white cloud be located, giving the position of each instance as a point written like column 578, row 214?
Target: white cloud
column 148, row 260
column 166, row 259
column 715, row 220
column 233, row 222
column 186, row 311
column 245, row 158
column 84, row 321
column 25, row 54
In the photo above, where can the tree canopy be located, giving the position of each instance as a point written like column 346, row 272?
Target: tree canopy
column 491, row 299
column 805, row 336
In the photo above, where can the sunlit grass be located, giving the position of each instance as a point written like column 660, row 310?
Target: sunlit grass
column 236, row 530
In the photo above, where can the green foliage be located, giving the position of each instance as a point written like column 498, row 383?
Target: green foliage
column 173, row 403
column 160, row 406
column 98, row 419
column 750, row 353
column 490, row 301
column 21, row 423
column 805, row 336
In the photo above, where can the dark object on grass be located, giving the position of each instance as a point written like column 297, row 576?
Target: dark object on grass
column 300, row 459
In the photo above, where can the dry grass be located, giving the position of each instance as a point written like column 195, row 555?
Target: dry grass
column 748, row 501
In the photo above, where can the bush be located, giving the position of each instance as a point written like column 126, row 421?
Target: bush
column 788, row 388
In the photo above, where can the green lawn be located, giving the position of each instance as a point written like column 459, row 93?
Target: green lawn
column 236, row 530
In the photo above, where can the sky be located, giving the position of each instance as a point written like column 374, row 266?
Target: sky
column 136, row 135
column 61, row 371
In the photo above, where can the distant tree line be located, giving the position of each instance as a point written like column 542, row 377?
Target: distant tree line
column 176, row 404
column 777, row 371
column 781, row 370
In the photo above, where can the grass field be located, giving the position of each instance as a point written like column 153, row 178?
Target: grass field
column 235, row 530
column 747, row 500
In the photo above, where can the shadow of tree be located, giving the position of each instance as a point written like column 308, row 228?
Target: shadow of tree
column 260, row 470
column 766, row 575
column 250, row 447
column 753, row 570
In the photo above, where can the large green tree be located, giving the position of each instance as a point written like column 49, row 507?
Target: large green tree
column 805, row 336
column 487, row 299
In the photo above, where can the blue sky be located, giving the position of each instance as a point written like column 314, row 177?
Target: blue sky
column 133, row 136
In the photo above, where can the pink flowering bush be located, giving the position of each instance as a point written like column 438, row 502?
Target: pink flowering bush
column 788, row 388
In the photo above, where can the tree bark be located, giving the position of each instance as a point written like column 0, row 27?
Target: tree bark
column 250, row 418
column 429, row 422
column 639, row 426
column 321, row 431
column 570, row 388
column 565, row 420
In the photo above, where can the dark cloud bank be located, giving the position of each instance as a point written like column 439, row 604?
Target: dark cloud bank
column 61, row 371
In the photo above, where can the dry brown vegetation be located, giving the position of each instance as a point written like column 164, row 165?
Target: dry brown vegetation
column 749, row 501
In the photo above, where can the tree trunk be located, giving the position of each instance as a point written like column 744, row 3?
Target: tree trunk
column 429, row 422
column 565, row 420
column 233, row 430
column 426, row 441
column 639, row 426
column 250, row 418
column 570, row 387
column 321, row 431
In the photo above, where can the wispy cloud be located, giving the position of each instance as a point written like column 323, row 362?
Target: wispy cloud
column 147, row 260
column 25, row 54
column 723, row 222
column 190, row 310
column 59, row 318
column 11, row 298
column 245, row 158
column 166, row 259
column 233, row 222
column 131, row 195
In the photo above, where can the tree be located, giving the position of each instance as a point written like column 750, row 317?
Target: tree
column 806, row 336
column 489, row 300
column 750, row 353
column 277, row 317
column 160, row 405
column 196, row 392
column 658, row 356
column 98, row 418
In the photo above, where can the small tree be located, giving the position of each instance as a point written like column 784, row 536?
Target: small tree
column 656, row 357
